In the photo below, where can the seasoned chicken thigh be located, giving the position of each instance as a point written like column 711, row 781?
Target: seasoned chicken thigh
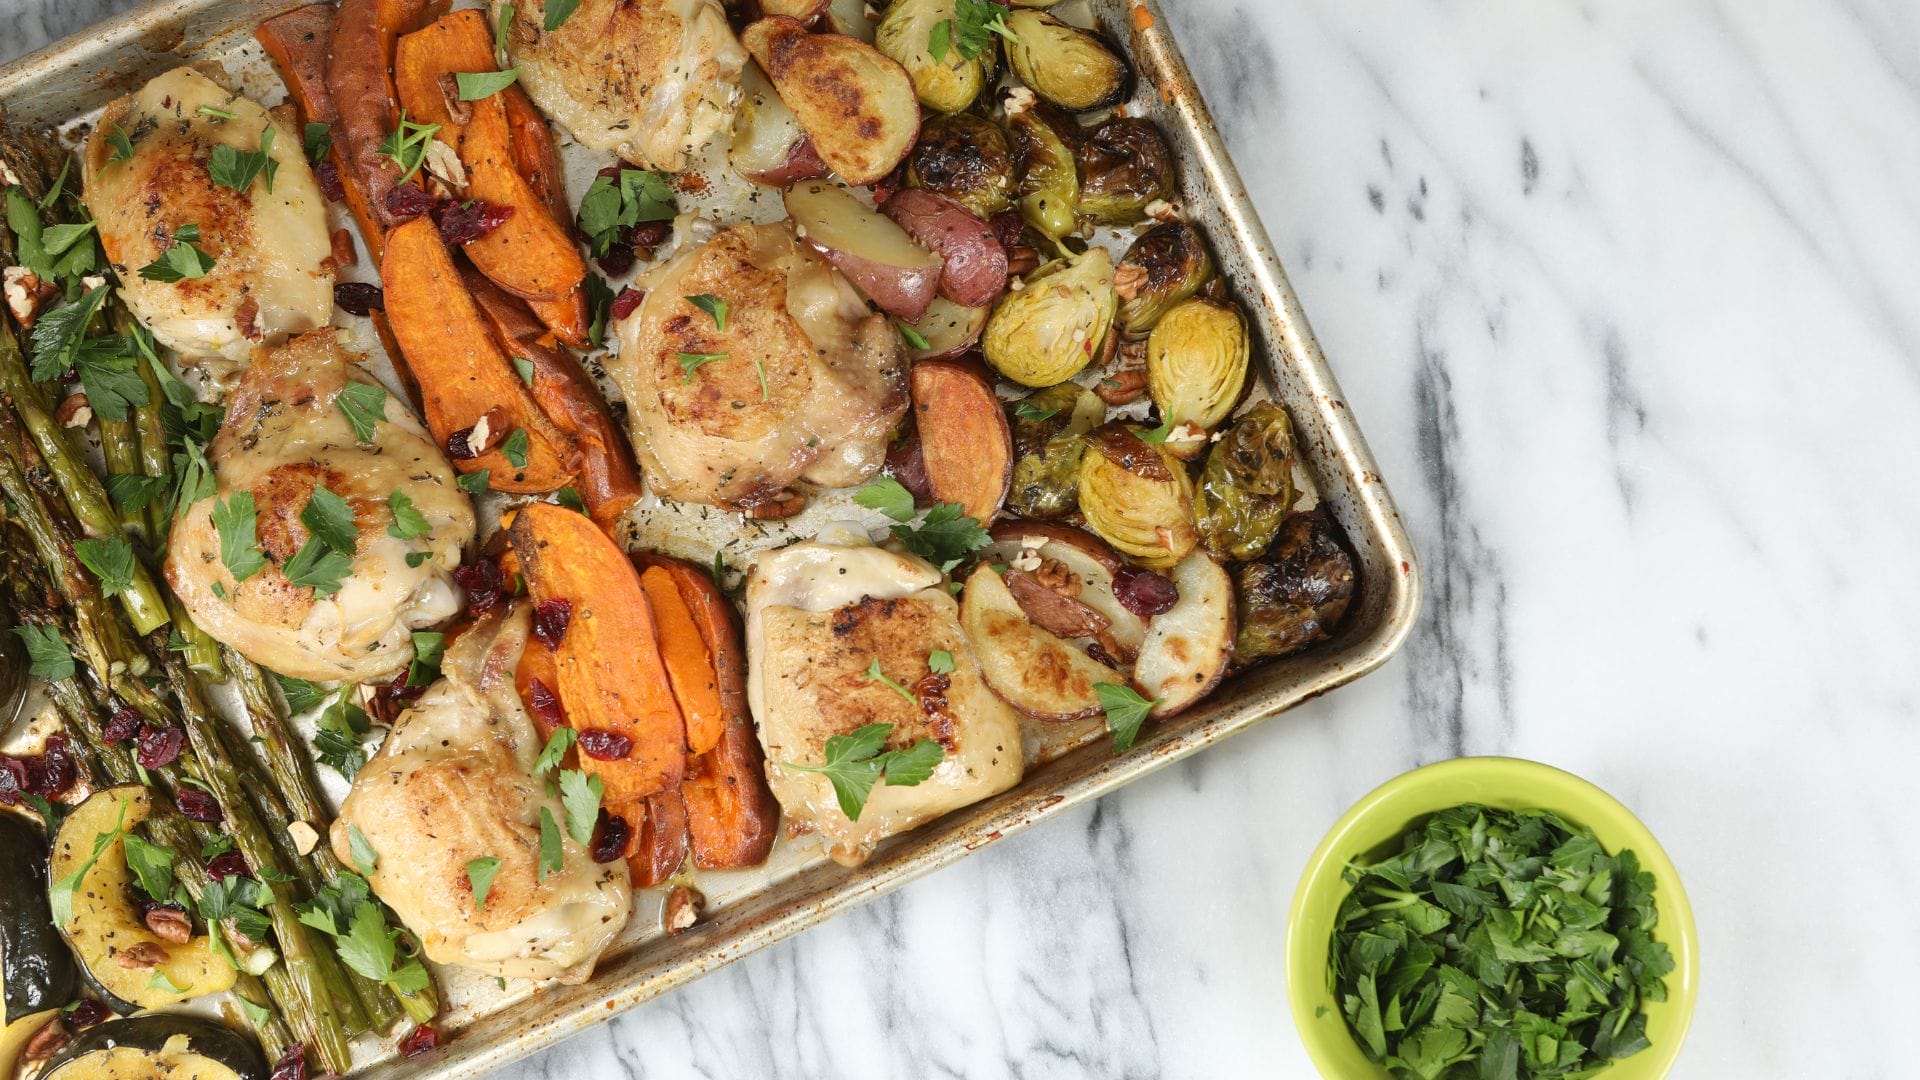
column 287, row 434
column 650, row 80
column 272, row 265
column 804, row 382
column 819, row 614
column 453, row 783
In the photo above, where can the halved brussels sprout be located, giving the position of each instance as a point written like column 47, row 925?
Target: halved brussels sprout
column 948, row 84
column 1297, row 594
column 1137, row 497
column 1047, row 330
column 1124, row 166
column 1065, row 409
column 1043, row 156
column 1197, row 362
column 1049, row 435
column 1246, row 486
column 965, row 158
column 1073, row 68
column 1165, row 266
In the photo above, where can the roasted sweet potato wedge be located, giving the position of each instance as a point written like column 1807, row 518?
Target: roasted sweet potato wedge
column 530, row 255
column 857, row 104
column 731, row 814
column 609, row 481
column 696, row 685
column 963, row 437
column 360, row 83
column 535, row 154
column 657, row 847
column 463, row 375
column 297, row 43
column 612, row 677
column 426, row 61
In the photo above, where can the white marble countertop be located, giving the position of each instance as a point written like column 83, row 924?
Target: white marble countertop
column 1627, row 299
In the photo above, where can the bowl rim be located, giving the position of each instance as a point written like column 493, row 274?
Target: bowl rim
column 1675, row 927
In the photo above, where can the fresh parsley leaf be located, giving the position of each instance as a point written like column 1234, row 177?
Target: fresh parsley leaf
column 760, row 369
column 330, row 518
column 481, row 871
column 914, row 337
column 23, row 217
column 238, row 901
column 257, row 1015
column 558, row 12
column 316, row 140
column 159, row 981
column 887, row 495
column 318, row 567
column 557, row 746
column 111, row 560
column 474, row 85
column 967, row 33
column 500, row 28
column 874, row 674
column 406, row 145
column 239, row 548
column 342, row 725
column 59, row 334
column 152, row 866
column 408, row 522
column 302, row 696
column 48, row 656
column 368, row 948
column 364, row 857
column 122, row 146
column 1126, row 711
column 364, row 405
column 713, row 306
column 691, row 362
column 415, row 558
column 132, row 492
column 945, row 537
column 474, row 483
column 940, row 40
column 940, row 662
column 580, row 795
column 854, row 764
column 570, row 498
column 599, row 308
column 60, row 896
column 609, row 207
column 58, row 238
column 196, row 476
column 107, row 371
column 234, row 168
column 515, row 448
column 220, row 844
column 1158, row 436
column 525, row 367
column 1027, row 410
column 428, row 647
column 59, row 185
column 552, row 856
column 217, row 114
column 51, row 814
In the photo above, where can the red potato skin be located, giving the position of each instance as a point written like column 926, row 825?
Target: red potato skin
column 976, row 265
column 802, row 163
column 1092, row 545
column 963, row 437
column 901, row 291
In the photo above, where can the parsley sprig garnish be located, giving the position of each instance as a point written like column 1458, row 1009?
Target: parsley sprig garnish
column 236, row 169
column 608, row 207
column 855, row 763
column 970, row 31
column 406, row 145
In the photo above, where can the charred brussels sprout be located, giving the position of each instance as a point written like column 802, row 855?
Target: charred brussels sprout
column 1054, row 410
column 1073, row 68
column 1046, row 331
column 1197, row 362
column 1049, row 435
column 1246, row 485
column 947, row 84
column 1049, row 185
column 1137, row 497
column 1297, row 594
column 1124, row 166
column 1165, row 266
column 966, row 159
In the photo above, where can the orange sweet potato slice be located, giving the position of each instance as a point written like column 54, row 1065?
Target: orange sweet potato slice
column 360, row 83
column 731, row 814
column 534, row 153
column 609, row 481
column 463, row 375
column 657, row 847
column 530, row 254
column 426, row 61
column 963, row 437
column 612, row 677
column 690, row 667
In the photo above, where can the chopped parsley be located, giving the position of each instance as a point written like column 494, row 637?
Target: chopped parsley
column 854, row 763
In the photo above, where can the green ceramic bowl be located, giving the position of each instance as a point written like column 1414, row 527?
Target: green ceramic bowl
column 1371, row 830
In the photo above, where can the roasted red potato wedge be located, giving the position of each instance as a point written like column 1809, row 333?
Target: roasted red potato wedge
column 858, row 105
column 360, row 82
column 1032, row 670
column 948, row 329
column 876, row 255
column 1092, row 564
column 1188, row 646
column 975, row 265
column 612, row 677
column 609, row 480
column 464, row 377
column 731, row 814
column 769, row 146
column 963, row 437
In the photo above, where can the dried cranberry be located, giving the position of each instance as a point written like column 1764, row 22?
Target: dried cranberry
column 393, row 698
column 158, row 747
column 482, row 582
column 59, row 771
column 408, row 201
column 197, row 805
column 229, row 864
column 1101, row 655
column 611, row 172
column 888, row 186
column 624, row 304
column 327, row 175
column 617, row 261
column 123, row 725
column 603, row 745
column 1143, row 592
column 649, row 234
column 419, row 1041
column 359, row 298
column 460, row 445
column 86, row 1014
column 546, row 707
column 610, row 836
column 550, row 619
column 470, row 220
column 1006, row 228
column 291, row 1066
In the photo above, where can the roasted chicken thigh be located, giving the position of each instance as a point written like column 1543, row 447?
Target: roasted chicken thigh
column 452, row 784
column 157, row 175
column 286, row 435
column 651, row 80
column 803, row 383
